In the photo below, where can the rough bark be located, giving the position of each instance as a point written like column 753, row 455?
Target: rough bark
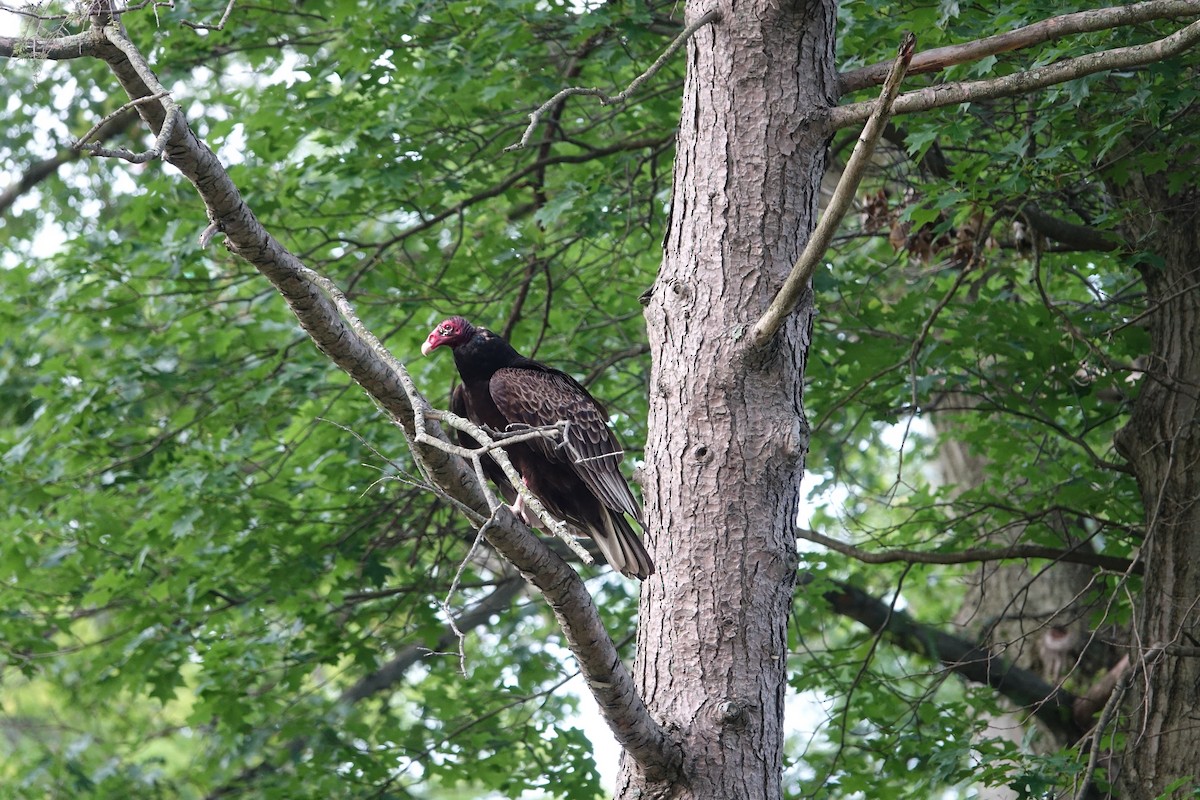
column 1162, row 443
column 727, row 432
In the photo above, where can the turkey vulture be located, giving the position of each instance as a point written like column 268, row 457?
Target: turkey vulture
column 578, row 481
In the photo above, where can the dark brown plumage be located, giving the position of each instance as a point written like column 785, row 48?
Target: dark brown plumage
column 459, row 404
column 579, row 482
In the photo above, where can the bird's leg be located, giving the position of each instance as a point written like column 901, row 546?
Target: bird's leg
column 518, row 508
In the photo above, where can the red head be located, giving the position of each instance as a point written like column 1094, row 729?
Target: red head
column 452, row 332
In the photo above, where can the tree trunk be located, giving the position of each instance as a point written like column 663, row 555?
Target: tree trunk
column 1016, row 610
column 727, row 434
column 1162, row 442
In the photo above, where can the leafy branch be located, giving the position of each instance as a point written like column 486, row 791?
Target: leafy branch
column 1072, row 555
column 339, row 334
column 1052, row 705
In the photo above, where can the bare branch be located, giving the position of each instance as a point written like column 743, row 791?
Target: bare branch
column 82, row 141
column 206, row 235
column 28, row 14
column 605, row 99
column 1047, row 30
column 220, row 26
column 1126, row 676
column 462, row 637
column 1072, row 555
column 843, row 196
column 1025, row 82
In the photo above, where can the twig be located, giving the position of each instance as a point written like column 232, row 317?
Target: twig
column 208, row 233
column 25, row 12
column 155, row 4
column 361, row 440
column 171, row 111
column 82, row 140
column 462, row 637
column 160, row 143
column 606, row 99
column 785, row 301
column 1110, row 708
column 498, row 440
column 481, row 476
column 220, row 26
column 524, row 432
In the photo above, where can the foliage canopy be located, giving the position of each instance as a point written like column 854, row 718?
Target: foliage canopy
column 220, row 572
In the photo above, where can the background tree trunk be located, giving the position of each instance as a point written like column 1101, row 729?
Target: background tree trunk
column 1162, row 442
column 727, row 434
column 1015, row 609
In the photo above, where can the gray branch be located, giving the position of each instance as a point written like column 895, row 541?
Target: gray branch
column 1038, row 33
column 1024, row 82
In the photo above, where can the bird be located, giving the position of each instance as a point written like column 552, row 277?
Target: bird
column 576, row 479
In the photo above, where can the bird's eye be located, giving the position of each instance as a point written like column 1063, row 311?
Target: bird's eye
column 447, row 330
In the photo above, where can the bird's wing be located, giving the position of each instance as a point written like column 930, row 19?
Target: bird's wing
column 545, row 396
column 460, row 404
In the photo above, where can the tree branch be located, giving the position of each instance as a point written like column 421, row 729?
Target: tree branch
column 393, row 672
column 1071, row 555
column 83, row 143
column 1024, row 82
column 387, row 676
column 354, row 350
column 1074, row 236
column 1047, row 30
column 80, row 45
column 1052, row 705
column 489, row 444
column 843, row 196
column 32, row 177
column 1070, row 234
column 220, row 26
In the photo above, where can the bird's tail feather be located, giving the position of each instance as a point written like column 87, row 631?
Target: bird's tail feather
column 622, row 547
